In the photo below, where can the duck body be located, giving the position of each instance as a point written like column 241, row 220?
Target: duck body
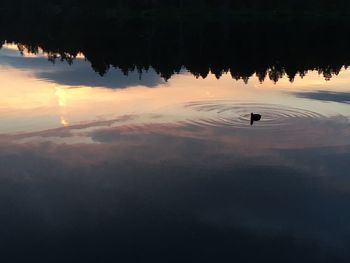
column 254, row 117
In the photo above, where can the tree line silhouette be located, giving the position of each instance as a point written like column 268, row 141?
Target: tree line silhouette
column 269, row 48
column 107, row 7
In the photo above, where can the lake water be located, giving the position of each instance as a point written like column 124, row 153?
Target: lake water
column 139, row 168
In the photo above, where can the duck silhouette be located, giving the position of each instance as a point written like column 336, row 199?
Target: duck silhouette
column 254, row 117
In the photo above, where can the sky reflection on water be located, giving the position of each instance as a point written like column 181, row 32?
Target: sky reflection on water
column 171, row 168
column 32, row 102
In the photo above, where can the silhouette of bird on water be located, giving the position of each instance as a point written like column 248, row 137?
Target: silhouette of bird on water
column 254, row 117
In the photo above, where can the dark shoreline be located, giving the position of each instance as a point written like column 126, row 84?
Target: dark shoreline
column 177, row 8
column 270, row 47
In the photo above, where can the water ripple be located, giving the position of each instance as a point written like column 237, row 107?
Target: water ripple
column 237, row 114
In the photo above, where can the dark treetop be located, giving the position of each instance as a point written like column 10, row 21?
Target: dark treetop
column 136, row 37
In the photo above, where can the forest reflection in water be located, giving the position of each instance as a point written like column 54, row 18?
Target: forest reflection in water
column 169, row 168
column 268, row 48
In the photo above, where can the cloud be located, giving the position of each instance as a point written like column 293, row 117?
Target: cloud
column 330, row 96
column 154, row 186
column 79, row 73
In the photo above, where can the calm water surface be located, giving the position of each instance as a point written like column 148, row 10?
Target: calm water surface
column 138, row 169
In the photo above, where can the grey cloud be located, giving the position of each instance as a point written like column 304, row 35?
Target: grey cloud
column 330, row 96
column 79, row 73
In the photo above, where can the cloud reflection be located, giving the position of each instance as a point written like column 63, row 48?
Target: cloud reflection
column 78, row 74
column 323, row 95
column 225, row 190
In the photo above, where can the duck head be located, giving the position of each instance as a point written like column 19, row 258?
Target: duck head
column 254, row 117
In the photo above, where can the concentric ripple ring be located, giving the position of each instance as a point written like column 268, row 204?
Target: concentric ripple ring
column 237, row 114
